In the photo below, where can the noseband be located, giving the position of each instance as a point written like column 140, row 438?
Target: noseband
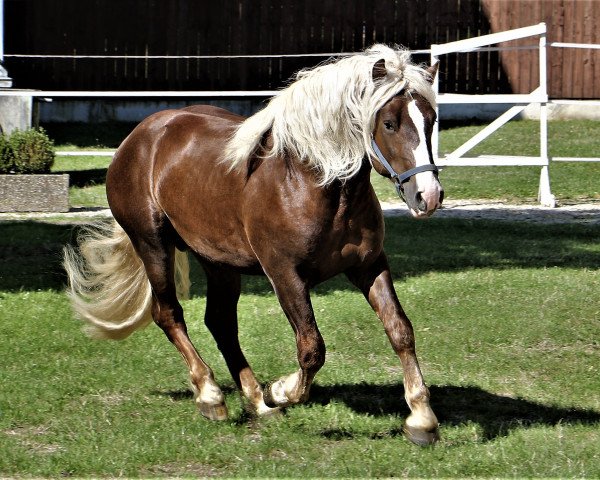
column 400, row 179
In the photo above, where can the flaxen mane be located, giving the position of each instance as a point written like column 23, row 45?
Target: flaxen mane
column 326, row 117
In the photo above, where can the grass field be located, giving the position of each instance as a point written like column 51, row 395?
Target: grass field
column 507, row 320
column 507, row 324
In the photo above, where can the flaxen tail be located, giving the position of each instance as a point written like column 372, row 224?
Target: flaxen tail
column 108, row 285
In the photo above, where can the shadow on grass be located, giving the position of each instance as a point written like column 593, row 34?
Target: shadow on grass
column 496, row 415
column 30, row 255
column 108, row 134
column 86, row 178
column 30, row 251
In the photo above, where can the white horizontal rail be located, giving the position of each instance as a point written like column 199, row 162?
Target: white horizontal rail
column 77, row 56
column 137, row 94
column 592, row 103
column 575, row 159
column 594, row 46
column 442, row 98
column 491, row 161
column 486, row 132
column 472, row 43
column 85, row 153
column 456, row 98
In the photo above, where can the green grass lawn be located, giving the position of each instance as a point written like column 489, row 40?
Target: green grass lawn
column 506, row 317
column 569, row 181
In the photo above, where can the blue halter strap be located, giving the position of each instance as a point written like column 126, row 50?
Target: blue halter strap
column 400, row 179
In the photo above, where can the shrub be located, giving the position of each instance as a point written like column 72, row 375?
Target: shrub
column 6, row 155
column 27, row 151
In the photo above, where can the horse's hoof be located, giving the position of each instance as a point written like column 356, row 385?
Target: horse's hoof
column 213, row 412
column 269, row 412
column 268, row 397
column 259, row 409
column 420, row 437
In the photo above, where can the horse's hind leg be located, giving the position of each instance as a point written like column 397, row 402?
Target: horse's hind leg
column 223, row 292
column 159, row 260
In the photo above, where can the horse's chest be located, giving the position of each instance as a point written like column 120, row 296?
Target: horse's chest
column 360, row 245
column 352, row 241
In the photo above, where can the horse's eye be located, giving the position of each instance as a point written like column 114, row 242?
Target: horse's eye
column 388, row 124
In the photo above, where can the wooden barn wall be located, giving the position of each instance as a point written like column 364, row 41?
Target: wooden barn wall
column 572, row 72
column 256, row 27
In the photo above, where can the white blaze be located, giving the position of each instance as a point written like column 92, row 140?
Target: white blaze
column 420, row 153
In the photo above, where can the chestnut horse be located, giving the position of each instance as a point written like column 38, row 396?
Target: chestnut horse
column 285, row 193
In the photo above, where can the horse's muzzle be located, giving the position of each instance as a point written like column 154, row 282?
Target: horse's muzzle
column 426, row 202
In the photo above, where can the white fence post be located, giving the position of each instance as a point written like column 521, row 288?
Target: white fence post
column 5, row 80
column 538, row 96
column 436, row 126
column 545, row 196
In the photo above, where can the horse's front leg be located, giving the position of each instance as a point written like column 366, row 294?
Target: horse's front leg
column 293, row 295
column 375, row 281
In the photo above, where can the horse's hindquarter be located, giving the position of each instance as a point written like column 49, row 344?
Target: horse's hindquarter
column 197, row 191
column 170, row 167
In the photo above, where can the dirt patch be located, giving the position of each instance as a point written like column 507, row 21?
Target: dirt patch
column 32, row 439
column 196, row 470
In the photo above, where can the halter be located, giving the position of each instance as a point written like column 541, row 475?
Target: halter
column 401, row 179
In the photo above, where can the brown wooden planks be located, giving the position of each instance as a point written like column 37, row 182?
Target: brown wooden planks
column 227, row 27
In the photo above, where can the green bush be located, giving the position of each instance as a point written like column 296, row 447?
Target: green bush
column 6, row 155
column 27, row 151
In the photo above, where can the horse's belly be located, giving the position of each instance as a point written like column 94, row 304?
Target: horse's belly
column 215, row 238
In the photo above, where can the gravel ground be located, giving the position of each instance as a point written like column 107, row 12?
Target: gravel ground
column 584, row 213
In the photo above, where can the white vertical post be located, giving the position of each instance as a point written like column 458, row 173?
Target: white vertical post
column 5, row 80
column 545, row 196
column 436, row 126
column 1, row 31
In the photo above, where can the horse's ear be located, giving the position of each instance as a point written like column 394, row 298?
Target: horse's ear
column 432, row 71
column 379, row 70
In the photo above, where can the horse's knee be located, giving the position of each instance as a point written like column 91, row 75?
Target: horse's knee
column 401, row 337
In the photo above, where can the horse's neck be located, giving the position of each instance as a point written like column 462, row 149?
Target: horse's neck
column 356, row 190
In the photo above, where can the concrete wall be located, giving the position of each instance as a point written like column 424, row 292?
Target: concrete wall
column 15, row 112
column 34, row 193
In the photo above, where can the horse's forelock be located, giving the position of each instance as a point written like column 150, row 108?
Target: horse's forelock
column 326, row 117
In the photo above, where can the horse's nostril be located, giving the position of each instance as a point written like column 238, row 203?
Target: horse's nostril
column 421, row 203
column 441, row 196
